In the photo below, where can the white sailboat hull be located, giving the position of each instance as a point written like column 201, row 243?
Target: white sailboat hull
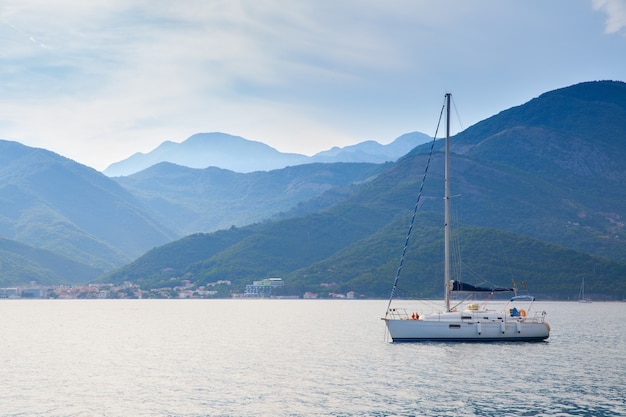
column 481, row 326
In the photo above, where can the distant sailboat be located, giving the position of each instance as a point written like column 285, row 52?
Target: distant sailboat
column 473, row 323
column 581, row 294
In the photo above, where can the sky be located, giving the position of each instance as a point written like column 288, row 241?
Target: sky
column 99, row 80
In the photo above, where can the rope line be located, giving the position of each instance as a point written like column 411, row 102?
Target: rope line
column 419, row 196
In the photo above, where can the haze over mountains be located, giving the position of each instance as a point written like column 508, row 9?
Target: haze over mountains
column 543, row 180
column 191, row 200
column 242, row 155
column 52, row 203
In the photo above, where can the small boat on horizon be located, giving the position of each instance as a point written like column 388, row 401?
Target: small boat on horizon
column 581, row 294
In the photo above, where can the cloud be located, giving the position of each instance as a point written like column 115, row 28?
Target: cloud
column 102, row 79
column 139, row 65
column 615, row 11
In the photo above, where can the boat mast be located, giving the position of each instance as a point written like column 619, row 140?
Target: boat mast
column 446, row 199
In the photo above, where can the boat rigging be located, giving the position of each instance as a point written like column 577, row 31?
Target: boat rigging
column 474, row 322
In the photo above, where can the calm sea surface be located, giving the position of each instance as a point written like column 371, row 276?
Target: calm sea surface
column 295, row 358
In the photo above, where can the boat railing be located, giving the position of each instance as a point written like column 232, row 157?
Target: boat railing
column 539, row 316
column 526, row 315
column 401, row 314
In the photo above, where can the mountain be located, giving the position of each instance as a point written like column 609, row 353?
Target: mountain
column 50, row 202
column 202, row 200
column 372, row 151
column 538, row 196
column 241, row 155
column 210, row 149
column 572, row 143
column 21, row 264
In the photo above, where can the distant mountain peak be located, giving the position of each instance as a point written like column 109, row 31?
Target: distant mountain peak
column 594, row 91
column 238, row 154
column 202, row 150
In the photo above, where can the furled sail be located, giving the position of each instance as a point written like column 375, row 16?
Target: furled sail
column 459, row 286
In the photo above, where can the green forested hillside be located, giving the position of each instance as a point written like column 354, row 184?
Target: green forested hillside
column 159, row 266
column 268, row 249
column 366, row 260
column 21, row 264
column 484, row 257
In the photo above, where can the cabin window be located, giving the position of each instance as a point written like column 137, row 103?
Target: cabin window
column 466, row 317
column 455, row 326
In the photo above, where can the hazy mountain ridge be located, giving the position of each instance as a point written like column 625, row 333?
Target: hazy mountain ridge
column 500, row 184
column 372, row 151
column 202, row 200
column 209, row 149
column 241, row 155
column 22, row 264
column 50, row 202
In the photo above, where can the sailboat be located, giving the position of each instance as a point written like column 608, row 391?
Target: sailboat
column 581, row 294
column 471, row 322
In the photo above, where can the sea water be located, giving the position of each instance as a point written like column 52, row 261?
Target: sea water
column 295, row 358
